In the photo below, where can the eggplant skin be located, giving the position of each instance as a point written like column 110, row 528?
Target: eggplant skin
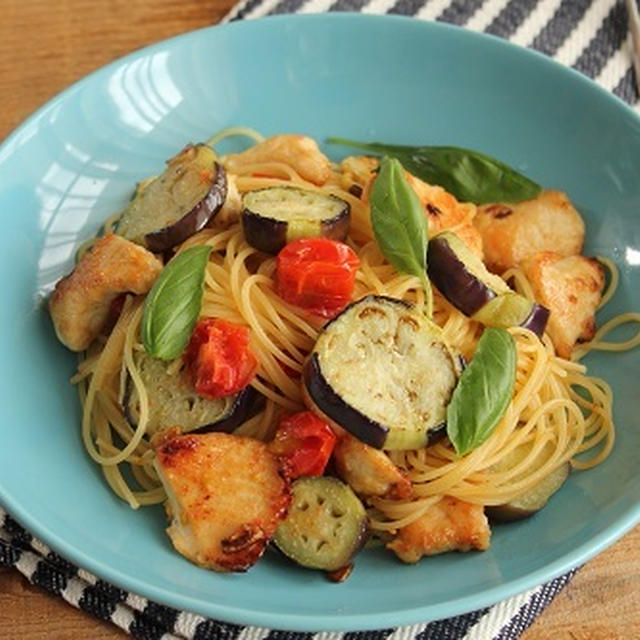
column 264, row 234
column 454, row 280
column 275, row 216
column 382, row 371
column 195, row 220
column 178, row 203
column 537, row 319
column 466, row 283
column 244, row 405
column 326, row 525
column 172, row 400
column 534, row 500
column 318, row 393
column 326, row 400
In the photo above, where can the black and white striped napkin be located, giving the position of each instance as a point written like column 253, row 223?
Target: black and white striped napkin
column 148, row 620
column 591, row 36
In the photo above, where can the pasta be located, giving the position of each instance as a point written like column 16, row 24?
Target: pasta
column 556, row 406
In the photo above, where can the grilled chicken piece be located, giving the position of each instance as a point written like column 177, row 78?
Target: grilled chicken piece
column 571, row 288
column 357, row 174
column 226, row 498
column 81, row 301
column 369, row 471
column 445, row 212
column 442, row 208
column 449, row 525
column 511, row 232
column 297, row 151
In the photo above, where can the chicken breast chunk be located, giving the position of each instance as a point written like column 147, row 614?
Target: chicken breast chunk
column 357, row 174
column 369, row 471
column 300, row 152
column 446, row 212
column 443, row 210
column 571, row 288
column 226, row 498
column 81, row 301
column 449, row 525
column 511, row 232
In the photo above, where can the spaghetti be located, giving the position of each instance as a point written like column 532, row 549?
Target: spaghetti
column 556, row 406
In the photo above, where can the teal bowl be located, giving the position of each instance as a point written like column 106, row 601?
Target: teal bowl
column 75, row 161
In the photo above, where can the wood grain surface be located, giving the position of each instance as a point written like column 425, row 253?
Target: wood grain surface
column 44, row 47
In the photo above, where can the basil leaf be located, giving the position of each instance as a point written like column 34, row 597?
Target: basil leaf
column 469, row 175
column 483, row 392
column 173, row 304
column 400, row 224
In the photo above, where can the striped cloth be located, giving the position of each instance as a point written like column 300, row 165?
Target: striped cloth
column 148, row 620
column 590, row 36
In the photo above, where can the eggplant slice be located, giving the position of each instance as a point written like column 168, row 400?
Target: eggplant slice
column 326, row 525
column 467, row 284
column 531, row 501
column 383, row 372
column 178, row 203
column 174, row 401
column 274, row 216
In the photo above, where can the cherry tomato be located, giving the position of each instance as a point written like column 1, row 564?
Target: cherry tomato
column 317, row 275
column 219, row 358
column 304, row 444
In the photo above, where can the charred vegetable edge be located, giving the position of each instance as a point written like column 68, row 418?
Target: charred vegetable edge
column 321, row 398
column 270, row 235
column 193, row 221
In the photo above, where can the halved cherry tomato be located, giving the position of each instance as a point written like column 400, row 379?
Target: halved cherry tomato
column 304, row 444
column 219, row 358
column 317, row 274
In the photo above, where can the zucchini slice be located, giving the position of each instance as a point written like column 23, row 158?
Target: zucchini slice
column 534, row 499
column 174, row 401
column 383, row 372
column 326, row 525
column 466, row 283
column 274, row 216
column 178, row 203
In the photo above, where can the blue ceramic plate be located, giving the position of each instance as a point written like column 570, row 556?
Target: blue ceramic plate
column 370, row 78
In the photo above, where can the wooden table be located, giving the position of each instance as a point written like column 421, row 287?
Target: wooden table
column 44, row 47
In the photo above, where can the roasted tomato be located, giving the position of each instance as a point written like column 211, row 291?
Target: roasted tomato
column 219, row 358
column 317, row 274
column 304, row 444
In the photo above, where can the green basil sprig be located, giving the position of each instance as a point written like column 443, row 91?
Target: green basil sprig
column 469, row 175
column 483, row 392
column 400, row 224
column 173, row 304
